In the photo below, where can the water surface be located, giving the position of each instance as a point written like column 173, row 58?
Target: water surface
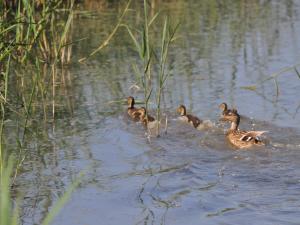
column 185, row 176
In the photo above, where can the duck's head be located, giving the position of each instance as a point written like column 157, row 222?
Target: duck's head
column 231, row 116
column 130, row 102
column 181, row 110
column 223, row 107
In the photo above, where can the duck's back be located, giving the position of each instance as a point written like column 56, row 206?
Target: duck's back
column 243, row 139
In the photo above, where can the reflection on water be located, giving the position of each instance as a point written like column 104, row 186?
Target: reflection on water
column 185, row 175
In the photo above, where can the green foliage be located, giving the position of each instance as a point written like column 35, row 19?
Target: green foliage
column 61, row 202
column 34, row 34
column 29, row 29
column 145, row 46
column 110, row 36
column 8, row 216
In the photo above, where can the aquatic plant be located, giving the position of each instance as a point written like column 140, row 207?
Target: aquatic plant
column 274, row 77
column 152, row 59
column 167, row 37
column 9, row 210
column 111, row 35
column 8, row 216
column 35, row 37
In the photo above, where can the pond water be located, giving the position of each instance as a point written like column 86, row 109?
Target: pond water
column 185, row 176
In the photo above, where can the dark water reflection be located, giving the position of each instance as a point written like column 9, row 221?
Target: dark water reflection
column 186, row 176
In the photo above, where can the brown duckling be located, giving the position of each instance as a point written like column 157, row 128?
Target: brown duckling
column 141, row 113
column 223, row 106
column 131, row 110
column 240, row 139
column 193, row 120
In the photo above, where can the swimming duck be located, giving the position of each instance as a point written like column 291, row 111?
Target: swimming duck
column 193, row 120
column 132, row 111
column 223, row 106
column 240, row 139
column 149, row 120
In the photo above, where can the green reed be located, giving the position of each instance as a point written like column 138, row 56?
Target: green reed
column 167, row 38
column 111, row 35
column 9, row 213
column 151, row 59
column 32, row 29
column 274, row 77
column 145, row 54
column 144, row 43
column 35, row 36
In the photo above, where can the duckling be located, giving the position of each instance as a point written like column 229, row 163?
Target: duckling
column 223, row 106
column 132, row 111
column 193, row 120
column 240, row 139
column 147, row 121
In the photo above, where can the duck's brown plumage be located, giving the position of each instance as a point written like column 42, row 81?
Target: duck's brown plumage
column 131, row 110
column 141, row 113
column 193, row 120
column 240, row 139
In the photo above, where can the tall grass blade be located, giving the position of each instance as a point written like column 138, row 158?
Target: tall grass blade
column 61, row 202
column 67, row 27
column 107, row 40
column 137, row 45
column 146, row 30
column 153, row 19
column 6, row 78
column 149, row 95
column 297, row 72
column 5, row 204
column 138, row 75
column 277, row 87
column 250, row 87
column 148, row 64
column 163, row 40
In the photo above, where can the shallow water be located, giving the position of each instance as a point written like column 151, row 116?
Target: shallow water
column 185, row 176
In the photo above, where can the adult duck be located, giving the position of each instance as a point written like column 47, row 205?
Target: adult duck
column 239, row 138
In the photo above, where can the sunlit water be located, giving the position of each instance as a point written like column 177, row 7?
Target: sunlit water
column 185, row 176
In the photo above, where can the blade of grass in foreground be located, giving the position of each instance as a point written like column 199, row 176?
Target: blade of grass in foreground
column 7, row 217
column 62, row 201
column 10, row 216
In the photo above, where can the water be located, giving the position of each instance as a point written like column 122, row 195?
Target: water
column 185, row 176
